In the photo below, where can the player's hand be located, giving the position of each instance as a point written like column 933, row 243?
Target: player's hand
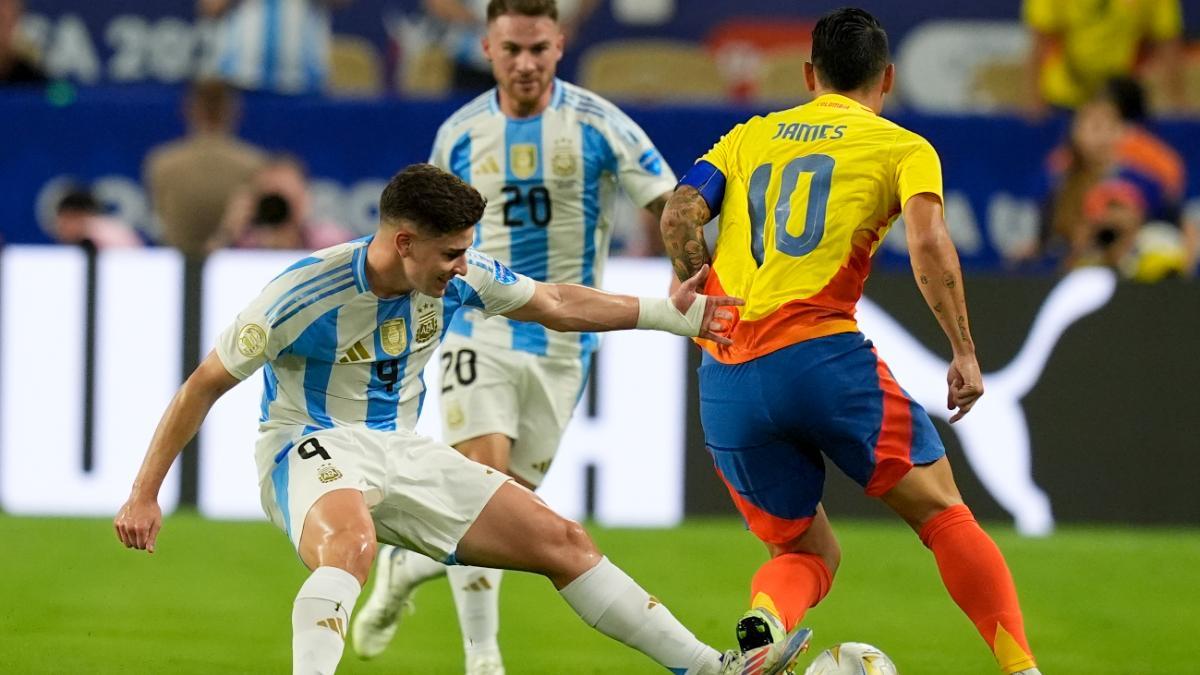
column 965, row 385
column 138, row 522
column 717, row 317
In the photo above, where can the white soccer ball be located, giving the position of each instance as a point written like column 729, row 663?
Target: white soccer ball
column 852, row 658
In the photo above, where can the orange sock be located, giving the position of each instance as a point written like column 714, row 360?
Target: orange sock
column 789, row 584
column 974, row 572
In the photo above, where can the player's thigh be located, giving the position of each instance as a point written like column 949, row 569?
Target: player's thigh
column 297, row 469
column 924, row 492
column 431, row 495
column 479, row 390
column 550, row 390
column 775, row 479
column 864, row 421
column 517, row 530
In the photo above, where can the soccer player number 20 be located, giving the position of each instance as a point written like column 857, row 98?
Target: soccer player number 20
column 536, row 201
column 821, row 168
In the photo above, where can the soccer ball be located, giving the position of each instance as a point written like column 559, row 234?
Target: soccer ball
column 852, row 658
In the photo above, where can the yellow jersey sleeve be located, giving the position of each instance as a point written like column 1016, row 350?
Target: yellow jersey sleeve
column 723, row 154
column 1166, row 20
column 1042, row 15
column 918, row 169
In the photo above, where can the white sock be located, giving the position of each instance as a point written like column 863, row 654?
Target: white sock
column 417, row 569
column 320, row 616
column 611, row 602
column 477, row 599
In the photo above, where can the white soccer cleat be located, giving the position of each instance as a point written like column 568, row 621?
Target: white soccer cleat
column 375, row 624
column 485, row 664
column 770, row 659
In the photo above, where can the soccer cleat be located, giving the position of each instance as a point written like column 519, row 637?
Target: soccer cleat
column 485, row 664
column 758, row 627
column 769, row 659
column 376, row 623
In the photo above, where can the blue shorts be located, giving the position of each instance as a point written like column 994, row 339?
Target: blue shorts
column 770, row 422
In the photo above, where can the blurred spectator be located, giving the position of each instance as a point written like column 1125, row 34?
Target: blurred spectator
column 1089, row 156
column 191, row 180
column 463, row 23
column 17, row 64
column 275, row 211
column 1080, row 44
column 273, row 45
column 79, row 219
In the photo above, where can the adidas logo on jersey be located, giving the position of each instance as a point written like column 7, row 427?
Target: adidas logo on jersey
column 488, row 166
column 355, row 354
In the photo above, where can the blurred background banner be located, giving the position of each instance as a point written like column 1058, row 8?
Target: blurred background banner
column 992, row 165
column 1088, row 415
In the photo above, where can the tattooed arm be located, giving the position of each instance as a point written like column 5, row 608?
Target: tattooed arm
column 682, row 226
column 935, row 266
column 651, row 215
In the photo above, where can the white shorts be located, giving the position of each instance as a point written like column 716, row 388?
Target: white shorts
column 529, row 398
column 422, row 494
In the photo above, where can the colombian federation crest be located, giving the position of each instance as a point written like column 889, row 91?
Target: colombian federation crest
column 523, row 160
column 393, row 337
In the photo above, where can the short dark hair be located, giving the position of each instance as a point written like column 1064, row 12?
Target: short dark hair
column 498, row 8
column 78, row 199
column 213, row 100
column 436, row 201
column 1128, row 96
column 849, row 49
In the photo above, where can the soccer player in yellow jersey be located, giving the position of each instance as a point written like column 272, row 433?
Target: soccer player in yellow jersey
column 1081, row 44
column 804, row 197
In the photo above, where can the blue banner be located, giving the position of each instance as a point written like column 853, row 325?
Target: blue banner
column 993, row 166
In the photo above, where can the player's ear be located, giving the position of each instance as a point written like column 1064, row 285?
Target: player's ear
column 810, row 76
column 559, row 42
column 402, row 239
column 889, row 78
column 487, row 46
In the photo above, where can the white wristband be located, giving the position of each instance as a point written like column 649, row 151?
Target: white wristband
column 660, row 314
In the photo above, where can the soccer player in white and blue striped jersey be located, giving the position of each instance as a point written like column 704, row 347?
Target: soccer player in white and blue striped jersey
column 342, row 336
column 550, row 158
column 273, row 45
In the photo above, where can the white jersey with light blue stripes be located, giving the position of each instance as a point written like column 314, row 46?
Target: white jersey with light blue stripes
column 337, row 355
column 549, row 182
column 275, row 45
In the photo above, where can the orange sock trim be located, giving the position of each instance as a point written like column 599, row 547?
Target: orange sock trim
column 975, row 574
column 789, row 584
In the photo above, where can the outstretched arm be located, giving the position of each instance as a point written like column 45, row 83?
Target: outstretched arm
column 682, row 226
column 138, row 521
column 936, row 268
column 570, row 307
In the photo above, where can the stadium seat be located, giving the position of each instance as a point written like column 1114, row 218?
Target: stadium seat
column 1002, row 84
column 355, row 68
column 428, row 72
column 651, row 70
column 781, row 79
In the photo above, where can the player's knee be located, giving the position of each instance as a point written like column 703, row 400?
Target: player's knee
column 352, row 549
column 571, row 550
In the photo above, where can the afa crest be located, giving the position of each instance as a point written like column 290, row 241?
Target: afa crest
column 327, row 473
column 563, row 163
column 427, row 328
column 393, row 336
column 523, row 160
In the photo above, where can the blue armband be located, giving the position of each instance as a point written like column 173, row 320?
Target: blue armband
column 709, row 182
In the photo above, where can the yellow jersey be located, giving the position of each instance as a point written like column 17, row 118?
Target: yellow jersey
column 808, row 195
column 1098, row 39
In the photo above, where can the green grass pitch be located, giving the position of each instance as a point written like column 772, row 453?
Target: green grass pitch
column 216, row 597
